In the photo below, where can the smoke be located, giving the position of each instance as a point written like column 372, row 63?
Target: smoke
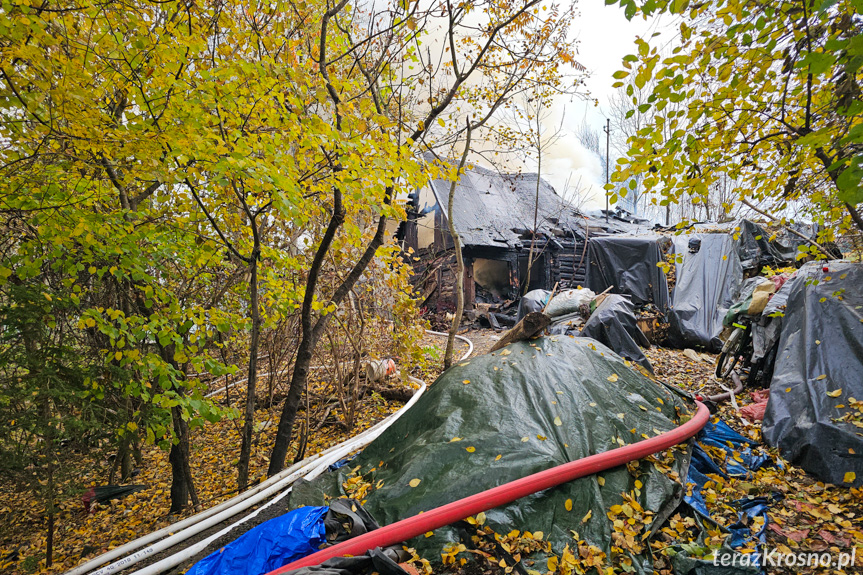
column 575, row 171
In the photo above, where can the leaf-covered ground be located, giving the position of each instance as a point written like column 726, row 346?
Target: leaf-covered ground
column 811, row 517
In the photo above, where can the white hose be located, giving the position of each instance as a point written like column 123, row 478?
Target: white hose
column 461, row 337
column 192, row 550
column 310, row 467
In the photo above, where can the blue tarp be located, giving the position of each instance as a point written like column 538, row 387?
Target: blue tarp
column 268, row 546
column 719, row 434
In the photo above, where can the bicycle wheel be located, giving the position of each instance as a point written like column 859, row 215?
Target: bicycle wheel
column 730, row 355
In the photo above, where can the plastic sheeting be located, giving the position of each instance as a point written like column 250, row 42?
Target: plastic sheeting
column 719, row 436
column 534, row 300
column 754, row 246
column 268, row 546
column 707, row 284
column 629, row 263
column 569, row 301
column 375, row 561
column 614, row 324
column 501, row 416
column 820, row 351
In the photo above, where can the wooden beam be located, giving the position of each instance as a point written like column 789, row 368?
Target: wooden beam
column 529, row 326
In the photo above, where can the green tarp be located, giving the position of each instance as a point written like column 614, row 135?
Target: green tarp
column 499, row 417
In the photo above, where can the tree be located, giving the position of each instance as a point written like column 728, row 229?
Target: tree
column 459, row 258
column 90, row 98
column 401, row 93
column 770, row 99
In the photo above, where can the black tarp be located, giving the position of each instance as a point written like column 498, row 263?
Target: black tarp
column 707, row 284
column 629, row 263
column 505, row 415
column 614, row 324
column 820, row 351
column 754, row 246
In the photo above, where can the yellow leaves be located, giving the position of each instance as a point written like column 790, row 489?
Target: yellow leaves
column 525, row 439
column 414, row 482
column 558, row 421
column 612, row 378
column 600, row 480
column 820, row 377
column 478, row 520
column 587, row 517
column 466, row 381
column 470, row 449
column 568, row 504
column 835, row 393
column 850, row 476
column 455, row 439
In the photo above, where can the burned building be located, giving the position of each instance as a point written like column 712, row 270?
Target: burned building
column 493, row 214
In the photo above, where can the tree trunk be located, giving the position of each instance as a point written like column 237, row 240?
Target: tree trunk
column 292, row 402
column 310, row 336
column 535, row 216
column 182, row 484
column 49, row 460
column 249, row 417
column 309, row 339
column 179, row 487
column 459, row 259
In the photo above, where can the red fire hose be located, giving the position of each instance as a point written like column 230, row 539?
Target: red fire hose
column 503, row 494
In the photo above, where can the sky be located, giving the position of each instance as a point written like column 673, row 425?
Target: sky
column 605, row 37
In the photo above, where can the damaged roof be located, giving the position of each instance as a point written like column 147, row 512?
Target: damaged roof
column 497, row 210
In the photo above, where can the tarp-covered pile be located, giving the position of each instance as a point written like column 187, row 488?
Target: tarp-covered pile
column 815, row 414
column 614, row 324
column 630, row 265
column 708, row 282
column 523, row 409
column 711, row 262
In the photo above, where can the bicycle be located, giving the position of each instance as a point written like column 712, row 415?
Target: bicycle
column 738, row 346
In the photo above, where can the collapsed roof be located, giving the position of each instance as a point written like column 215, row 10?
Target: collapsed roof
column 493, row 209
